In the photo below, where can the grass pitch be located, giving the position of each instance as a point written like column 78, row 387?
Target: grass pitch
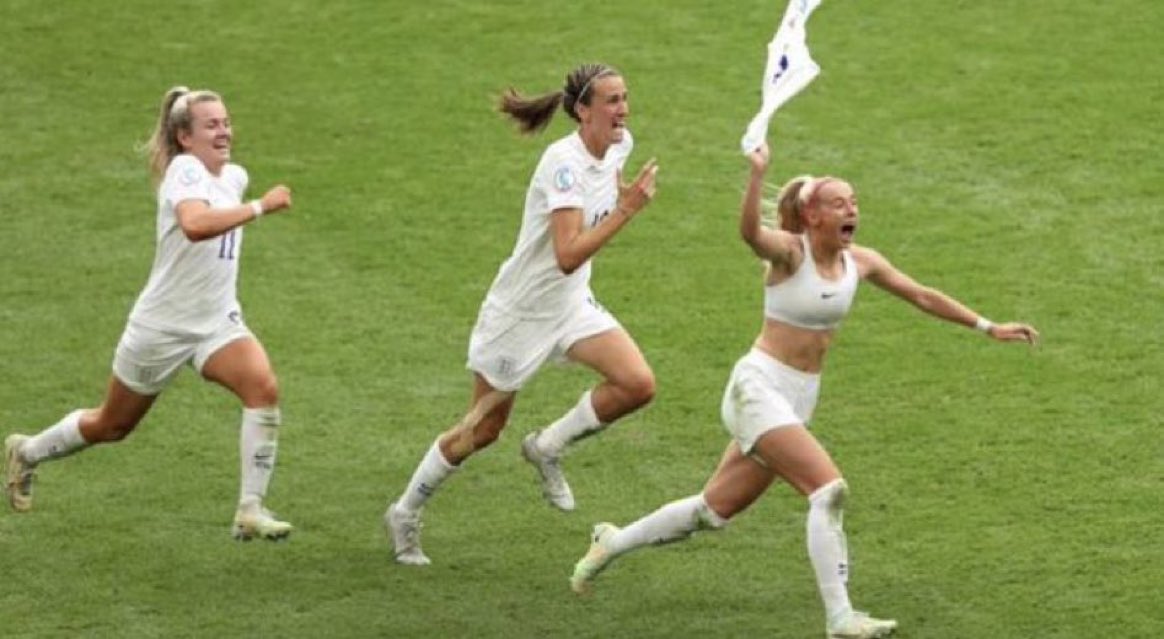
column 1006, row 155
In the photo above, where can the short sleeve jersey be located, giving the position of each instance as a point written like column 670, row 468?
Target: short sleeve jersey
column 192, row 285
column 530, row 283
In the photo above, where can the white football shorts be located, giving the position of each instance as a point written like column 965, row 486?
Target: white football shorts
column 147, row 359
column 764, row 394
column 507, row 349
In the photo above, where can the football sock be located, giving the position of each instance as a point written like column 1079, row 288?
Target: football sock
column 59, row 440
column 433, row 470
column 257, row 445
column 827, row 548
column 672, row 522
column 579, row 422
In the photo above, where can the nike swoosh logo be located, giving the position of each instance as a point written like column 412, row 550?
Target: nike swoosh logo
column 825, row 296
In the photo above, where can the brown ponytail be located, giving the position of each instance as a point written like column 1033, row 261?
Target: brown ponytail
column 533, row 114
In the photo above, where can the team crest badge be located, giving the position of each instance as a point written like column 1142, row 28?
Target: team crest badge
column 564, row 179
column 190, row 176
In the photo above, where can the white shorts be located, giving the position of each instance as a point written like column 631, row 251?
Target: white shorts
column 764, row 394
column 147, row 359
column 507, row 349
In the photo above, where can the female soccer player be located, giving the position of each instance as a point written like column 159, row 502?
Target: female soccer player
column 187, row 314
column 540, row 306
column 812, row 275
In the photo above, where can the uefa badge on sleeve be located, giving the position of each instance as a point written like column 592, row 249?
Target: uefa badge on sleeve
column 564, row 179
column 190, row 176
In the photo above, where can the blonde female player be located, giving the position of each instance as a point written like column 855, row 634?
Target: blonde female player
column 188, row 312
column 540, row 306
column 814, row 268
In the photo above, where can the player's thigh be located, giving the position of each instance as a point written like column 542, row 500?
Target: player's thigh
column 614, row 355
column 793, row 453
column 737, row 483
column 242, row 366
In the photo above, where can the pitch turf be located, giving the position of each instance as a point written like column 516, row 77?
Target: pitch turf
column 1007, row 155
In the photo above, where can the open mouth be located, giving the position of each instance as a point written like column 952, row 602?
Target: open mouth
column 847, row 231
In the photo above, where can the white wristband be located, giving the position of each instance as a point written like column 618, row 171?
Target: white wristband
column 256, row 207
column 983, row 324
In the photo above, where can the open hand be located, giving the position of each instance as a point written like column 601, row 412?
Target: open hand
column 635, row 196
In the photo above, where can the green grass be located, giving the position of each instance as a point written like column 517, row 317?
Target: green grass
column 1005, row 155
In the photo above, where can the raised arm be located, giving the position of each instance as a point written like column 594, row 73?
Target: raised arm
column 200, row 222
column 773, row 245
column 574, row 244
column 878, row 270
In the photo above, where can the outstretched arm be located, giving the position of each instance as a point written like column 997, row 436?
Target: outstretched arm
column 878, row 270
column 574, row 244
column 773, row 245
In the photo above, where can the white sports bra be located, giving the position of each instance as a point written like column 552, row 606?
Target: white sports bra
column 807, row 300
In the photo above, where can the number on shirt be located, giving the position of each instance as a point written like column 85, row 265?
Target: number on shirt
column 598, row 217
column 227, row 244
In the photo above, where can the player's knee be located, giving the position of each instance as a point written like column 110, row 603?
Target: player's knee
column 264, row 392
column 639, row 389
column 831, row 496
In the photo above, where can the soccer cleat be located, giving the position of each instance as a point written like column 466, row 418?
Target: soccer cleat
column 595, row 560
column 859, row 625
column 554, row 486
column 18, row 474
column 404, row 528
column 259, row 522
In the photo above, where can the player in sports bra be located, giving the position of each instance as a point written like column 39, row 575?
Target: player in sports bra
column 812, row 275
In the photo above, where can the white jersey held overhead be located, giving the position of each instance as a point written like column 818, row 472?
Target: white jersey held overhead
column 790, row 68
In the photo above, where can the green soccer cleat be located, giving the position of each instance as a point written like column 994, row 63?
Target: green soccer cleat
column 859, row 625
column 258, row 522
column 596, row 559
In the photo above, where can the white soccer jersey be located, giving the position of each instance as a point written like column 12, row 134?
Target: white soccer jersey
column 192, row 284
column 568, row 176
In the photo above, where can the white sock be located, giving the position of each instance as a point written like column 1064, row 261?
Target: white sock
column 433, row 470
column 827, row 548
column 59, row 440
column 672, row 522
column 580, row 421
column 257, row 447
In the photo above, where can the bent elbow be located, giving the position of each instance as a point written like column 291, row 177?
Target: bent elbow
column 567, row 267
column 927, row 299
column 749, row 236
column 753, row 243
column 194, row 234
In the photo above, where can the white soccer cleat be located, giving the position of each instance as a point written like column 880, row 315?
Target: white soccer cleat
column 595, row 560
column 404, row 528
column 859, row 625
column 256, row 521
column 18, row 474
column 554, row 486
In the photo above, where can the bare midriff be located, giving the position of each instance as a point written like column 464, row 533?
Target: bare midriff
column 801, row 348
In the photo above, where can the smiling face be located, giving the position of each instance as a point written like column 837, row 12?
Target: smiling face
column 603, row 117
column 209, row 135
column 831, row 212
